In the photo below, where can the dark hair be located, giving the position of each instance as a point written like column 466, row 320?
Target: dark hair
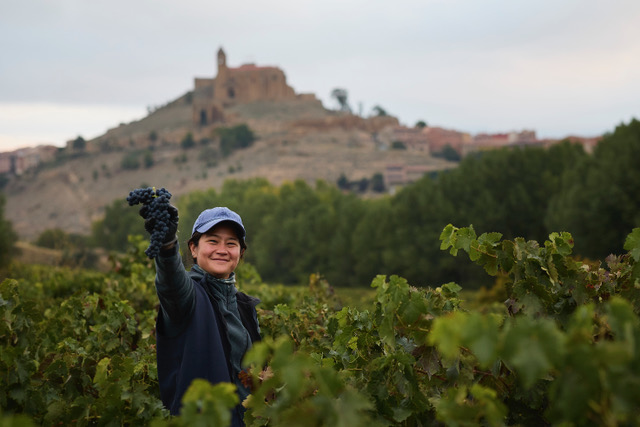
column 195, row 238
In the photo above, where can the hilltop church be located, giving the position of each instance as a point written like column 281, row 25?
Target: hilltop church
column 244, row 84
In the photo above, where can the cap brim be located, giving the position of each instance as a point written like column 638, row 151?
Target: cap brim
column 210, row 224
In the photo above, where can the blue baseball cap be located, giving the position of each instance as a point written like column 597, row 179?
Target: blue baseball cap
column 211, row 217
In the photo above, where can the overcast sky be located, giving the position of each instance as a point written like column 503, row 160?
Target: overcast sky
column 78, row 67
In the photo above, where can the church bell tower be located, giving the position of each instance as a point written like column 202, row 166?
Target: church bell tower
column 222, row 62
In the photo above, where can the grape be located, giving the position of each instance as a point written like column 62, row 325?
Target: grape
column 141, row 195
column 155, row 209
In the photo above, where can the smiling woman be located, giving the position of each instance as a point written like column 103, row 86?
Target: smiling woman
column 32, row 124
column 205, row 325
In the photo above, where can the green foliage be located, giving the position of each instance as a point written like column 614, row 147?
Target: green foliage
column 379, row 111
column 283, row 395
column 180, row 158
column 234, row 138
column 209, row 156
column 398, row 145
column 204, row 404
column 7, row 236
column 79, row 144
column 120, row 221
column 341, row 95
column 599, row 197
column 503, row 190
column 188, row 141
column 299, row 228
column 377, row 183
column 571, row 330
column 77, row 347
column 153, row 136
column 130, row 161
column 148, row 159
column 69, row 354
column 343, row 182
column 421, row 124
column 448, row 153
column 75, row 248
column 53, row 238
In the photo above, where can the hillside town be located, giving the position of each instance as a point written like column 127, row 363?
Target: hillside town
column 211, row 104
column 426, row 139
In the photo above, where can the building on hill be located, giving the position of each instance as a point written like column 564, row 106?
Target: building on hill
column 484, row 141
column 429, row 139
column 19, row 161
column 239, row 85
column 414, row 139
column 440, row 138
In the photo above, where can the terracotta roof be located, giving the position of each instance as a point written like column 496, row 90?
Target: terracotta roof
column 250, row 67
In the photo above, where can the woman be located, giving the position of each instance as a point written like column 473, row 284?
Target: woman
column 205, row 325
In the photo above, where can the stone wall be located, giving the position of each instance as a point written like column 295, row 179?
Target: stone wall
column 240, row 85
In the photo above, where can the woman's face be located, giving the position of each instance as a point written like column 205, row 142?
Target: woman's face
column 218, row 251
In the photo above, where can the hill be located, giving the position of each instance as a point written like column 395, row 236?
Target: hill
column 296, row 139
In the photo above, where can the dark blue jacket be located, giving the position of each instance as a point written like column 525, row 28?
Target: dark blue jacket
column 200, row 349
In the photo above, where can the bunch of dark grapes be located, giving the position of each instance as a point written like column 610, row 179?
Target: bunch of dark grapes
column 141, row 195
column 155, row 209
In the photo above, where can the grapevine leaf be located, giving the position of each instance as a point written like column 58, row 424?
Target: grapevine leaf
column 632, row 244
column 532, row 347
column 563, row 242
column 621, row 318
column 204, row 401
column 494, row 411
column 506, row 256
column 481, row 337
column 400, row 414
column 448, row 238
column 100, row 378
column 413, row 308
column 451, row 289
column 466, row 236
column 447, row 333
column 483, row 252
column 351, row 406
column 464, row 406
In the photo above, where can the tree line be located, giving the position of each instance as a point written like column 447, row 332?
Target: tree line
column 297, row 229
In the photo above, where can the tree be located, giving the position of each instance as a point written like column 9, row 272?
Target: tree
column 120, row 221
column 7, row 236
column 398, row 145
column 53, row 238
column 341, row 96
column 343, row 182
column 153, row 136
column 448, row 153
column 234, row 138
column 188, row 141
column 130, row 161
column 363, row 185
column 379, row 111
column 79, row 144
column 599, row 197
column 377, row 183
column 420, row 124
column 148, row 159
